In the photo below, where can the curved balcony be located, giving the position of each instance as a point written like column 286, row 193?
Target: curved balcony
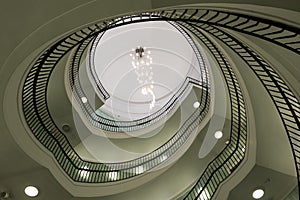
column 210, row 27
column 100, row 119
column 213, row 22
column 39, row 119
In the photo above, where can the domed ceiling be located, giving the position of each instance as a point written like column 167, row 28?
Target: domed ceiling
column 137, row 91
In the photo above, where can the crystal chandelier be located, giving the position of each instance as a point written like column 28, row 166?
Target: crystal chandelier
column 140, row 57
column 141, row 61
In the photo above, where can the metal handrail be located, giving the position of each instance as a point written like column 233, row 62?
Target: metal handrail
column 287, row 104
column 45, row 130
column 281, row 34
column 114, row 125
column 232, row 155
column 277, row 33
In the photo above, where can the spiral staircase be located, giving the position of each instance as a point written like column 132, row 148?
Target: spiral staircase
column 84, row 116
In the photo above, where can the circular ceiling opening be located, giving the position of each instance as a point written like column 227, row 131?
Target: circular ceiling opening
column 141, row 66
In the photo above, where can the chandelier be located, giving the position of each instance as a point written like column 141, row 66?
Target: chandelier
column 141, row 61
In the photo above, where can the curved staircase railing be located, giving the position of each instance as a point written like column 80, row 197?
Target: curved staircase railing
column 196, row 20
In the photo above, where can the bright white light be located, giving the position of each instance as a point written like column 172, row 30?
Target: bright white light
column 257, row 194
column 144, row 91
column 163, row 158
column 196, row 104
column 204, row 194
column 84, row 173
column 152, row 104
column 84, row 99
column 113, row 175
column 244, row 149
column 218, row 134
column 139, row 170
column 31, row 191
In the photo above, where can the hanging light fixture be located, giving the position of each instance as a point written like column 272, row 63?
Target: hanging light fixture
column 140, row 56
column 141, row 61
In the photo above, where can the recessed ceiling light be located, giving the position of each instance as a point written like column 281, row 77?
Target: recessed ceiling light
column 84, row 99
column 218, row 134
column 4, row 195
column 31, row 191
column 258, row 193
column 66, row 127
column 196, row 104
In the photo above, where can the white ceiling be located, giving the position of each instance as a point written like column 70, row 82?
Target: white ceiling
column 17, row 169
column 173, row 60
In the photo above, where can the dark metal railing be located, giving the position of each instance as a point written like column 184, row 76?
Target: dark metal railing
column 285, row 101
column 196, row 21
column 286, row 36
column 113, row 125
column 45, row 130
column 276, row 32
column 232, row 155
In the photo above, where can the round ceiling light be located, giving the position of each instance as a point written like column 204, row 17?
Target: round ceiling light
column 31, row 191
column 258, row 193
column 218, row 134
column 196, row 104
column 66, row 127
column 84, row 100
